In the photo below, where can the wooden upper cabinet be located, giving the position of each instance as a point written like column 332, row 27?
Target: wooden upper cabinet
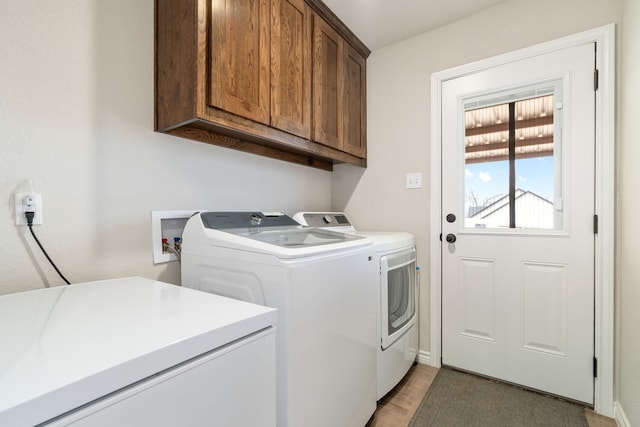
column 355, row 102
column 328, row 52
column 240, row 59
column 291, row 67
column 339, row 84
column 261, row 61
column 277, row 78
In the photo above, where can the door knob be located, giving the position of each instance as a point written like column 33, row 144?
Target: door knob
column 451, row 238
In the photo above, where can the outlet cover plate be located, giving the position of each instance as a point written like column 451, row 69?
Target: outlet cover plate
column 20, row 219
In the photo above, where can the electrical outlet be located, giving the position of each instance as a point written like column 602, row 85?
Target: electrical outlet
column 414, row 180
column 20, row 208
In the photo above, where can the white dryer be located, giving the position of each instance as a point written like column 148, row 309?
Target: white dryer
column 395, row 278
column 319, row 281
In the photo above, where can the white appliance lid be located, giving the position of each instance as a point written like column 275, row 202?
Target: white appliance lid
column 276, row 229
column 296, row 237
column 66, row 346
column 338, row 221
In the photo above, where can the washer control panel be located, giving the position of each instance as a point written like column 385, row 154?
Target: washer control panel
column 323, row 219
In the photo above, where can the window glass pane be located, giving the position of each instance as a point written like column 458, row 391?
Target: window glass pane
column 487, row 194
column 511, row 157
column 534, row 193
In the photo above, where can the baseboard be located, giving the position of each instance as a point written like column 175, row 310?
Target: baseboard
column 620, row 416
column 424, row 357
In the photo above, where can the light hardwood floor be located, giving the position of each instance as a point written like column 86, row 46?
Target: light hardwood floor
column 397, row 408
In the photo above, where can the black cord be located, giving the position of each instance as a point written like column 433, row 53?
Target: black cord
column 30, row 224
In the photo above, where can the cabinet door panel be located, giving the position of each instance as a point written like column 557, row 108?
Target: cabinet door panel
column 291, row 67
column 239, row 52
column 328, row 66
column 355, row 125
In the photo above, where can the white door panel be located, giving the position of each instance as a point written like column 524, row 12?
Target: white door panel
column 517, row 300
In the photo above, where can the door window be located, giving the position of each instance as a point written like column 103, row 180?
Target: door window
column 512, row 160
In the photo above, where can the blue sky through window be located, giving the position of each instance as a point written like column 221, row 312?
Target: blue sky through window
column 485, row 181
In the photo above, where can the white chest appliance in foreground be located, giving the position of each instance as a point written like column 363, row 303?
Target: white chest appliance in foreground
column 319, row 281
column 395, row 284
column 135, row 352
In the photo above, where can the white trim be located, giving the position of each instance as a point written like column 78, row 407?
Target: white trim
column 605, row 209
column 604, row 37
column 620, row 416
column 424, row 357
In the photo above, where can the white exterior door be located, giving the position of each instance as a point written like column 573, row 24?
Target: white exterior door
column 518, row 222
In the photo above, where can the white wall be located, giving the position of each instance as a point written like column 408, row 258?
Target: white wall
column 76, row 117
column 628, row 227
column 399, row 110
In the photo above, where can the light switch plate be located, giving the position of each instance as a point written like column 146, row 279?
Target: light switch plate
column 414, row 180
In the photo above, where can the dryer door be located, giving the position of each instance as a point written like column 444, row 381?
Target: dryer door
column 398, row 294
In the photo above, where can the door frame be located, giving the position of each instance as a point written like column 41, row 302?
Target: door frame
column 604, row 198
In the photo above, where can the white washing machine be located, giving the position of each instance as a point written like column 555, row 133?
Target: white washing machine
column 319, row 281
column 395, row 278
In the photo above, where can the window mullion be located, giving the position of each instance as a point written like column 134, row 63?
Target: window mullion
column 512, row 165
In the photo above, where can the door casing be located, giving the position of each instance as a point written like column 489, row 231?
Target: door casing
column 604, row 37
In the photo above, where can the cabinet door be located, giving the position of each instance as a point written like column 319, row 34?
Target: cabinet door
column 291, row 67
column 239, row 51
column 355, row 114
column 328, row 66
